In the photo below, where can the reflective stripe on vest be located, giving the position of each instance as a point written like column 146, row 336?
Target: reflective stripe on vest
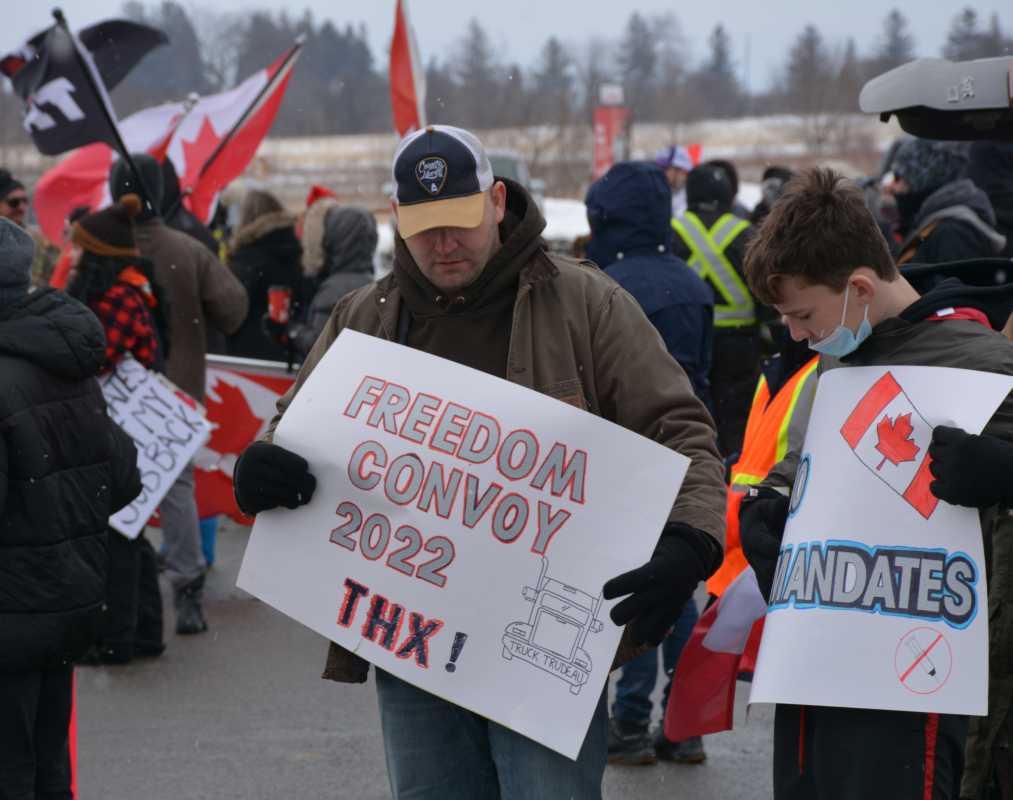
column 764, row 445
column 709, row 261
column 751, row 473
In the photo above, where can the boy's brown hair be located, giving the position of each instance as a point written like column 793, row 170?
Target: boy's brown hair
column 818, row 231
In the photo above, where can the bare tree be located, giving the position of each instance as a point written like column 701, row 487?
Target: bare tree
column 220, row 37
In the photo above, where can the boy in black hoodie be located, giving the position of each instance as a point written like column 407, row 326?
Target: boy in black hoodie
column 821, row 261
column 64, row 468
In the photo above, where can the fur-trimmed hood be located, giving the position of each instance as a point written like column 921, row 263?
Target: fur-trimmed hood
column 313, row 225
column 259, row 228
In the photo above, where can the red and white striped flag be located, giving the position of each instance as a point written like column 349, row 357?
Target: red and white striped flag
column 407, row 77
column 889, row 435
column 724, row 642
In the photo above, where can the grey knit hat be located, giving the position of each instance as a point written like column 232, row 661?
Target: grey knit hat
column 17, row 249
column 925, row 164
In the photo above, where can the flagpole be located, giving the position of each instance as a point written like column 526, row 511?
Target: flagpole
column 93, row 85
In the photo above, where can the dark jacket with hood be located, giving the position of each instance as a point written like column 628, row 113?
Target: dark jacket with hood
column 912, row 339
column 65, row 467
column 265, row 253
column 177, row 215
column 201, row 291
column 954, row 222
column 554, row 325
column 991, row 168
column 629, row 211
column 348, row 243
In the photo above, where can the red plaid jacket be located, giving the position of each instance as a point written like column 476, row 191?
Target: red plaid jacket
column 129, row 325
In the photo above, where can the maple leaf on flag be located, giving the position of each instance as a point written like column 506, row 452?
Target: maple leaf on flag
column 196, row 151
column 895, row 441
column 242, row 426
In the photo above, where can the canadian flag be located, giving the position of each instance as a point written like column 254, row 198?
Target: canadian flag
column 407, row 77
column 724, row 642
column 210, row 142
column 240, row 404
column 892, row 439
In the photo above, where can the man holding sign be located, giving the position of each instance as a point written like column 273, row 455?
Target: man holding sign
column 877, row 572
column 473, row 284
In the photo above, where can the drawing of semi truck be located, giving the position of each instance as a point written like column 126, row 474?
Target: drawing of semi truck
column 553, row 636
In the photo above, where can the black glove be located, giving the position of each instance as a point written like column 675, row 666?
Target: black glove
column 268, row 476
column 975, row 471
column 762, row 517
column 660, row 588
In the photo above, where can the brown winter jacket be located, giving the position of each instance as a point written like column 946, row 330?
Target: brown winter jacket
column 200, row 292
column 579, row 337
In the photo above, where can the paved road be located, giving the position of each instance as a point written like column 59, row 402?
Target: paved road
column 240, row 713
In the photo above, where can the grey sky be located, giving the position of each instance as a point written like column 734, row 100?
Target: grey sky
column 520, row 27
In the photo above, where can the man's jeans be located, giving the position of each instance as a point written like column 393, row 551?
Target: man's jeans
column 638, row 677
column 439, row 751
column 184, row 558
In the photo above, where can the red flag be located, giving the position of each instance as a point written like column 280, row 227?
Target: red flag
column 407, row 78
column 210, row 143
column 724, row 640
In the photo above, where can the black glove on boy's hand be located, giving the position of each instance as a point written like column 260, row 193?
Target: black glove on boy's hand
column 969, row 470
column 660, row 588
column 762, row 517
column 268, row 476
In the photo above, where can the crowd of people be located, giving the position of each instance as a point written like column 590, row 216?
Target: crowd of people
column 688, row 318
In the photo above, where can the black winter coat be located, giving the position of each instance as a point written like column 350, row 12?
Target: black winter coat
column 265, row 253
column 65, row 467
column 956, row 222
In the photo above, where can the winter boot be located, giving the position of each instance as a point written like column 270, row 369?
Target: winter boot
column 629, row 744
column 688, row 751
column 189, row 614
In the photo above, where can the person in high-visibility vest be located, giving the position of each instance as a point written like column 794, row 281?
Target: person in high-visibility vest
column 712, row 241
column 777, row 418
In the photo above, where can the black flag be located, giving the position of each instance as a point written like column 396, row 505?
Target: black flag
column 64, row 80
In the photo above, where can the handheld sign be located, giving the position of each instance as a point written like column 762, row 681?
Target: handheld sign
column 879, row 597
column 461, row 531
column 167, row 427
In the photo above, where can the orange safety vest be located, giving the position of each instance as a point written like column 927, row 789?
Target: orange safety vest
column 765, row 444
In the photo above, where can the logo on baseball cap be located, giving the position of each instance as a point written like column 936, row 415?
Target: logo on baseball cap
column 442, row 173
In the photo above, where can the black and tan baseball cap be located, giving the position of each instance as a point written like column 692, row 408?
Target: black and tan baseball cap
column 441, row 173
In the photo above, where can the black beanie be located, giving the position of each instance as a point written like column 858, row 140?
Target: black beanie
column 122, row 181
column 708, row 188
column 8, row 183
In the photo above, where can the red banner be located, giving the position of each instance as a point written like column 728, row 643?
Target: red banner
column 610, row 137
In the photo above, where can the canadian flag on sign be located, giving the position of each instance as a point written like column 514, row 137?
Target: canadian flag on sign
column 889, row 435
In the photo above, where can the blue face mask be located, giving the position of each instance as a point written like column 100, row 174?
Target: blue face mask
column 843, row 340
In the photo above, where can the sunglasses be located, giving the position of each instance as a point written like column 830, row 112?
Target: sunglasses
column 14, row 202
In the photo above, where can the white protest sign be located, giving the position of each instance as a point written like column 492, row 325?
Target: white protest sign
column 461, row 531
column 879, row 597
column 167, row 427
